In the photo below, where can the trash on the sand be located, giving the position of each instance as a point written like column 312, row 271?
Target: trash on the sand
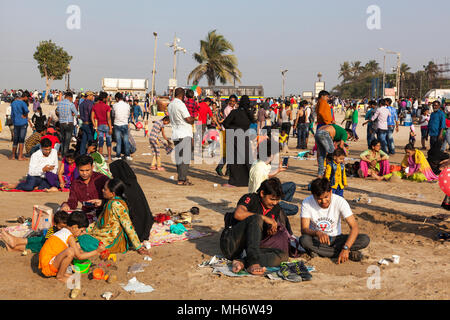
column 112, row 257
column 146, row 154
column 215, row 185
column 147, row 244
column 369, row 201
column 147, row 258
column 26, row 252
column 137, row 267
column 107, row 295
column 383, row 262
column 357, row 199
column 136, row 286
column 168, row 223
column 172, row 178
column 74, row 293
column 396, row 259
column 197, row 221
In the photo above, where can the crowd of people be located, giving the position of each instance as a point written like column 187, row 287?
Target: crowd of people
column 107, row 209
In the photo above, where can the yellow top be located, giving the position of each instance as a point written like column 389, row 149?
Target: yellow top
column 340, row 177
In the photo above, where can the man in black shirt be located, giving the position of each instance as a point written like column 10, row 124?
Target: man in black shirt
column 257, row 217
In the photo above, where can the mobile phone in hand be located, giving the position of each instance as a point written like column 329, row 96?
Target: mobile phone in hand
column 88, row 204
column 285, row 162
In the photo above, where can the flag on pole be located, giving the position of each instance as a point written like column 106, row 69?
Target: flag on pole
column 197, row 90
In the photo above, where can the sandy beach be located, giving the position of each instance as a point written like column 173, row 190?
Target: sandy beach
column 397, row 219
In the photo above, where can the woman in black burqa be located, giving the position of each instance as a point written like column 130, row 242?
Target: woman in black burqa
column 240, row 118
column 140, row 213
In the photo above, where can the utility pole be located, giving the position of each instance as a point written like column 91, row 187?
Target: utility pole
column 397, row 81
column 154, row 68
column 398, row 75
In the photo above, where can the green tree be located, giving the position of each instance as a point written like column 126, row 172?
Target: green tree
column 345, row 72
column 432, row 71
column 215, row 62
column 53, row 62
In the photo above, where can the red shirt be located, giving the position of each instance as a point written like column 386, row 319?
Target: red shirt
column 101, row 109
column 79, row 191
column 203, row 112
column 52, row 138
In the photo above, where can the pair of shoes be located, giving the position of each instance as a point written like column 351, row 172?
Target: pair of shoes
column 300, row 269
column 286, row 273
column 129, row 158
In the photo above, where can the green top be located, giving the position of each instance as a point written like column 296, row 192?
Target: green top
column 341, row 134
column 355, row 116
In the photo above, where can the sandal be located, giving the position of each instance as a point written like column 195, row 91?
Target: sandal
column 187, row 183
column 152, row 168
column 160, row 169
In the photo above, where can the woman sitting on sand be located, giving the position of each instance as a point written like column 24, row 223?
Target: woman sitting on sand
column 415, row 166
column 374, row 162
column 113, row 227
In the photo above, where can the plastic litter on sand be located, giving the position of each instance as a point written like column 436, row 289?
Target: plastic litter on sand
column 137, row 267
column 136, row 286
column 107, row 295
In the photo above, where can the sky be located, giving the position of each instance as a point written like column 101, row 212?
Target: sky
column 115, row 39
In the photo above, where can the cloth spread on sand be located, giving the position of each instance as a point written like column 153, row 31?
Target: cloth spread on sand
column 160, row 234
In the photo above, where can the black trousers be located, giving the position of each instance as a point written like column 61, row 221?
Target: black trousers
column 312, row 244
column 247, row 235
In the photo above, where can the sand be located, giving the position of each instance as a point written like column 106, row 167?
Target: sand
column 397, row 219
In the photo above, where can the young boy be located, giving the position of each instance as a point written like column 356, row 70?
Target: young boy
column 335, row 172
column 34, row 243
column 155, row 143
column 61, row 248
column 284, row 141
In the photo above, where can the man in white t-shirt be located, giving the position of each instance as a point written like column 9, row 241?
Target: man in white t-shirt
column 121, row 111
column 182, row 135
column 321, row 217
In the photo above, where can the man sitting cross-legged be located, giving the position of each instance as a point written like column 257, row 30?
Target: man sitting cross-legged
column 257, row 217
column 42, row 161
column 321, row 225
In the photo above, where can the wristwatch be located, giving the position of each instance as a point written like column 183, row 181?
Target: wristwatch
column 345, row 247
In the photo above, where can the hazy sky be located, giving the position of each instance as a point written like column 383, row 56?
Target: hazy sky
column 305, row 37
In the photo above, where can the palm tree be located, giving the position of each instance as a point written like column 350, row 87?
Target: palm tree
column 345, row 72
column 372, row 67
column 356, row 68
column 432, row 72
column 214, row 62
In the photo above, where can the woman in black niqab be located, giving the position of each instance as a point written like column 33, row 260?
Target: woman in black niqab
column 140, row 213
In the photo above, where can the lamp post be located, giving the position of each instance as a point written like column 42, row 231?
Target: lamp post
column 154, row 68
column 176, row 48
column 397, row 81
column 283, row 72
column 68, row 79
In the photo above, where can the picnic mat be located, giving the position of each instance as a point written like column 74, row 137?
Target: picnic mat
column 223, row 266
column 160, row 234
column 2, row 188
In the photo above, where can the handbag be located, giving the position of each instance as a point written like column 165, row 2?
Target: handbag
column 279, row 240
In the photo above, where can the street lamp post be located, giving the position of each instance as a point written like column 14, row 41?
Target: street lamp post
column 176, row 48
column 154, row 69
column 397, row 81
column 283, row 72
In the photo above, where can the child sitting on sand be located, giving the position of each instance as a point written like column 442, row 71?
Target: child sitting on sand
column 67, row 173
column 34, row 244
column 335, row 172
column 61, row 248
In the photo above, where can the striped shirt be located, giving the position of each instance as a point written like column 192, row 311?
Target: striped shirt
column 156, row 129
column 66, row 110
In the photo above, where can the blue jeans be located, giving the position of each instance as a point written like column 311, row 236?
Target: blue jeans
column 302, row 135
column 88, row 135
column 390, row 139
column 354, row 125
column 382, row 136
column 325, row 145
column 32, row 182
column 370, row 135
column 121, row 134
column 446, row 140
column 288, row 194
column 103, row 131
column 20, row 132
